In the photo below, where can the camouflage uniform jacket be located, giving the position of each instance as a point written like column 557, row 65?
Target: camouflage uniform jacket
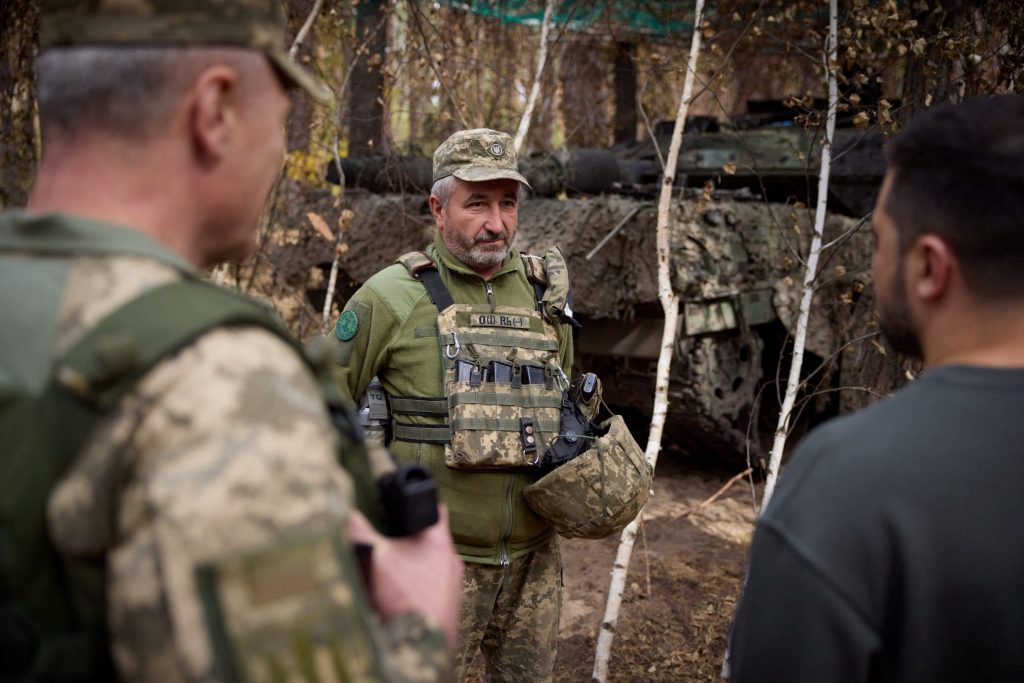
column 221, row 449
column 397, row 340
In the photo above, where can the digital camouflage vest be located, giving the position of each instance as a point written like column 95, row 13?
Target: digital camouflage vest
column 52, row 610
column 502, row 379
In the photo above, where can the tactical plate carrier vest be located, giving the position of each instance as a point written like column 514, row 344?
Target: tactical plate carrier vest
column 503, row 381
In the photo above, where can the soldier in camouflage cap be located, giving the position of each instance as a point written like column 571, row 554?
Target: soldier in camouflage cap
column 391, row 328
column 183, row 476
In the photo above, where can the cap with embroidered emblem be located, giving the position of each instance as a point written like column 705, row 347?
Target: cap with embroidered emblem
column 477, row 155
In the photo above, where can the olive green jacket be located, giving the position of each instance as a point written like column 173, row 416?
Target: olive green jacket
column 397, row 340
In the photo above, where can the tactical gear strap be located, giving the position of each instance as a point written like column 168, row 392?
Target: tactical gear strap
column 535, row 274
column 114, row 354
column 117, row 352
column 501, row 339
column 496, row 424
column 416, row 261
column 556, row 302
column 420, row 406
column 433, row 434
column 507, row 399
column 436, row 290
column 422, row 267
column 534, row 269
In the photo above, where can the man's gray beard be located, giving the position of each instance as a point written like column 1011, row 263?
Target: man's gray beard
column 894, row 320
column 476, row 257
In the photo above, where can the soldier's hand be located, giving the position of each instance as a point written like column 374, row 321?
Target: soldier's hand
column 420, row 573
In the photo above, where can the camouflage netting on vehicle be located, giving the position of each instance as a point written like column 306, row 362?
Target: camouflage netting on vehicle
column 599, row 492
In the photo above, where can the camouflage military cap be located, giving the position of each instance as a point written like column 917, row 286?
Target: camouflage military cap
column 476, row 155
column 256, row 24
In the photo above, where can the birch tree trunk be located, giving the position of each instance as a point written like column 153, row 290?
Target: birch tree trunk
column 800, row 338
column 542, row 58
column 670, row 304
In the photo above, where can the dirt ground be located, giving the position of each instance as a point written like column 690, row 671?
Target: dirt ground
column 676, row 629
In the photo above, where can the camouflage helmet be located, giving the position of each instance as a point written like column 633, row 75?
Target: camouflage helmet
column 477, row 155
column 597, row 493
column 256, row 24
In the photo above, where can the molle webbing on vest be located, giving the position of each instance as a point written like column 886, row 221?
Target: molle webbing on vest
column 434, row 434
column 420, row 406
column 496, row 424
column 496, row 418
column 501, row 339
column 504, row 399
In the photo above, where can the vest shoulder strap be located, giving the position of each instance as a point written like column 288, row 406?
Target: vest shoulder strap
column 536, row 270
column 114, row 354
column 537, row 275
column 415, row 261
column 422, row 267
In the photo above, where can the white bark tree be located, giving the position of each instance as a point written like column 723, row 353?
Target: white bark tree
column 542, row 58
column 810, row 275
column 670, row 305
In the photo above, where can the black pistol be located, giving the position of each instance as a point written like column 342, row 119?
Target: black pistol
column 408, row 501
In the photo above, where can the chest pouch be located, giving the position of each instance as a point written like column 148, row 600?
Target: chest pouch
column 503, row 385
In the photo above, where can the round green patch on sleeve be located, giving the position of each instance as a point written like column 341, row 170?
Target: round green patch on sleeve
column 347, row 325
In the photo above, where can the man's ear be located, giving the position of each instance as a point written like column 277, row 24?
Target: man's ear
column 437, row 209
column 214, row 111
column 931, row 267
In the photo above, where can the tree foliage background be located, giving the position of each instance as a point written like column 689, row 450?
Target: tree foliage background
column 407, row 73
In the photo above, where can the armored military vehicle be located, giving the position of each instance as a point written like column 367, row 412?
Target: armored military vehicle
column 740, row 227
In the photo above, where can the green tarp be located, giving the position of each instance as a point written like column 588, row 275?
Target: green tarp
column 655, row 17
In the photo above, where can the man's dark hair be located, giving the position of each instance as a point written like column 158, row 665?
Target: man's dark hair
column 958, row 172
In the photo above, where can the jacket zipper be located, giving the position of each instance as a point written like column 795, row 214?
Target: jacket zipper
column 490, row 295
column 503, row 550
column 503, row 544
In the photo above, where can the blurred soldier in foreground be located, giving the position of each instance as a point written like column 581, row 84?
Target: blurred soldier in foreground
column 167, row 434
column 472, row 343
column 894, row 547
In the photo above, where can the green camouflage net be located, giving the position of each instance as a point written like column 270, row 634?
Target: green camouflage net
column 655, row 17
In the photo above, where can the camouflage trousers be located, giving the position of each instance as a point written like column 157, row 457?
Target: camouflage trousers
column 511, row 616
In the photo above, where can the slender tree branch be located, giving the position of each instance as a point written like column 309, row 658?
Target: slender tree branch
column 670, row 305
column 800, row 338
column 542, row 58
column 304, row 31
column 433, row 65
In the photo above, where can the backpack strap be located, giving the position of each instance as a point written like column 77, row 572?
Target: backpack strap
column 422, row 267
